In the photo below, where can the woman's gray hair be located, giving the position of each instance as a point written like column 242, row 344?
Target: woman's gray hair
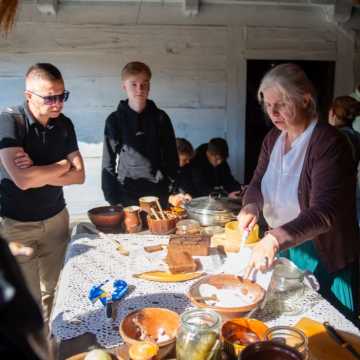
column 292, row 82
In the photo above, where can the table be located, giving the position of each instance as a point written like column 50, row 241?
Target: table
column 92, row 258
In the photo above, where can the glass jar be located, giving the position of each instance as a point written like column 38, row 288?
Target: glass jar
column 289, row 336
column 199, row 335
column 188, row 227
column 287, row 289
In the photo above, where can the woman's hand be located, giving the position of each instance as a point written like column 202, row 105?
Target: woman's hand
column 22, row 160
column 179, row 199
column 263, row 255
column 248, row 216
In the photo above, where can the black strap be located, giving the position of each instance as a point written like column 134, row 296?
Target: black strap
column 22, row 126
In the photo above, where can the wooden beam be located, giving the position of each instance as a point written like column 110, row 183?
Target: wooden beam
column 191, row 7
column 47, row 7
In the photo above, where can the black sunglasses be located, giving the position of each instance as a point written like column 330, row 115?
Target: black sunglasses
column 53, row 99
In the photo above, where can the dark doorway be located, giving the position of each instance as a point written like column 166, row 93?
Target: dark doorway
column 321, row 73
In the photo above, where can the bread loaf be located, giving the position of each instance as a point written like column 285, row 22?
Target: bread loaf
column 180, row 262
column 195, row 245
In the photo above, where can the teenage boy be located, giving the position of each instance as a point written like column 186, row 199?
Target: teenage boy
column 39, row 155
column 139, row 153
column 210, row 170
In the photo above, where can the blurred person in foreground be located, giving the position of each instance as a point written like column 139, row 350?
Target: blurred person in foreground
column 304, row 176
column 21, row 323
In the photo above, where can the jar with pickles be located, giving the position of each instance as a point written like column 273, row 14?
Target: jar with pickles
column 199, row 335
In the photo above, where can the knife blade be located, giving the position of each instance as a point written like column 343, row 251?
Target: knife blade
column 340, row 340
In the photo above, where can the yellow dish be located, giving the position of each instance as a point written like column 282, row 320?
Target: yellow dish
column 233, row 233
column 163, row 276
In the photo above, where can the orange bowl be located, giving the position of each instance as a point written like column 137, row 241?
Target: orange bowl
column 106, row 217
column 154, row 324
column 253, row 292
column 237, row 333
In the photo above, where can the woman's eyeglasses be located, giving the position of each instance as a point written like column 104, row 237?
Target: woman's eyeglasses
column 53, row 99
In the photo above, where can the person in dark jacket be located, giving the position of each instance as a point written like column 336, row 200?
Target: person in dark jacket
column 139, row 153
column 183, row 183
column 210, row 170
column 342, row 114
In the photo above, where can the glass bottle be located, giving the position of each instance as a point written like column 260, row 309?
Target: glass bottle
column 199, row 335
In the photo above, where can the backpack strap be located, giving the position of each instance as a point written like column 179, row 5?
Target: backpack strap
column 22, row 126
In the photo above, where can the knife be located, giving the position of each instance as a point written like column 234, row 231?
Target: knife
column 340, row 340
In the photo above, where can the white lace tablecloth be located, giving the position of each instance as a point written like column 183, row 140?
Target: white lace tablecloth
column 92, row 259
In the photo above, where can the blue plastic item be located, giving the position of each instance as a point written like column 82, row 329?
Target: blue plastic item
column 97, row 292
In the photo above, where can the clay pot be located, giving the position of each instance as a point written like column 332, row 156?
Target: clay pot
column 132, row 221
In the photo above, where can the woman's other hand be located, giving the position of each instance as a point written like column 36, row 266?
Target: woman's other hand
column 263, row 255
column 179, row 199
column 248, row 216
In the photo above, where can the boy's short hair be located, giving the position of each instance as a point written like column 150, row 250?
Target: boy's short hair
column 135, row 68
column 44, row 71
column 218, row 146
column 184, row 146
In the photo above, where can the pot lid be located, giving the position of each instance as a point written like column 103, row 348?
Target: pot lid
column 210, row 205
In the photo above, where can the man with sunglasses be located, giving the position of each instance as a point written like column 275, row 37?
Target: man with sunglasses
column 39, row 155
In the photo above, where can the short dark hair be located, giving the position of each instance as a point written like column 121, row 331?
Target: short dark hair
column 44, row 71
column 184, row 146
column 218, row 146
column 346, row 109
column 134, row 68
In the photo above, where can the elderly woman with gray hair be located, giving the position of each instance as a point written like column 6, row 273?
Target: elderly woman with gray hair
column 304, row 185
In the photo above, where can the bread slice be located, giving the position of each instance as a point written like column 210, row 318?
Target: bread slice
column 180, row 262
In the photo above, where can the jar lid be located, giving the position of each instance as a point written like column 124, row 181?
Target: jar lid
column 210, row 205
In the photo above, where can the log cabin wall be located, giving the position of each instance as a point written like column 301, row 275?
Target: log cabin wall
column 198, row 64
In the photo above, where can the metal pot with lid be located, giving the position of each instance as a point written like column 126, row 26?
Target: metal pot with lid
column 213, row 210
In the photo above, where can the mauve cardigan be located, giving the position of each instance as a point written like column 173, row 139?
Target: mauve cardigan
column 326, row 196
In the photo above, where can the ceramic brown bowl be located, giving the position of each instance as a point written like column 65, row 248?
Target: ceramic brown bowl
column 268, row 350
column 252, row 291
column 238, row 333
column 155, row 324
column 163, row 226
column 106, row 217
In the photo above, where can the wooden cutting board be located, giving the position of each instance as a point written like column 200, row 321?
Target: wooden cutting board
column 321, row 345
